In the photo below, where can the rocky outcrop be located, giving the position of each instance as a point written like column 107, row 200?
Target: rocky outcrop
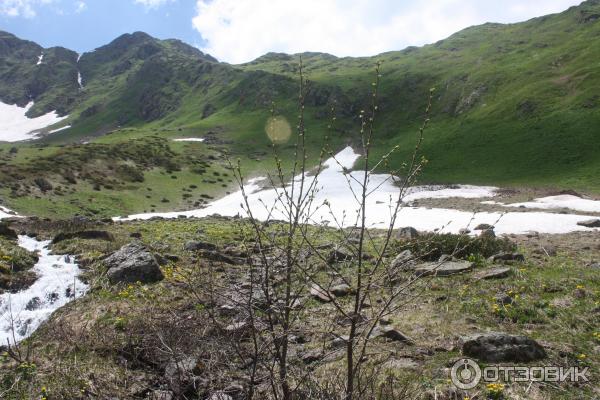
column 132, row 263
column 100, row 235
column 444, row 268
column 500, row 347
column 590, row 223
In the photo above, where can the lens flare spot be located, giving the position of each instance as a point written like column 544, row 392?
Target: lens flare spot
column 278, row 129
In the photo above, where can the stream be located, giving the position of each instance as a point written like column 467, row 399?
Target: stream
column 57, row 284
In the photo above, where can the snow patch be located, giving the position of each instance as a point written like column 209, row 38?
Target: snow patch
column 561, row 201
column 59, row 129
column 16, row 126
column 40, row 58
column 22, row 313
column 189, row 140
column 335, row 204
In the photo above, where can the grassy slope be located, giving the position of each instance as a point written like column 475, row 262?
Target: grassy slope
column 514, row 105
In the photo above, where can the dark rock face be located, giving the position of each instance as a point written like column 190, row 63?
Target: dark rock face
column 132, row 263
column 590, row 223
column 483, row 227
column 500, row 347
column 404, row 260
column 102, row 235
column 196, row 245
column 7, row 231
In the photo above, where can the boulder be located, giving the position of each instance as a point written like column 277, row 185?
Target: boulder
column 483, row 227
column 321, row 294
column 405, row 260
column 100, row 235
column 590, row 223
column 6, row 231
column 180, row 373
column 341, row 290
column 214, row 255
column 443, row 268
column 132, row 263
column 487, row 234
column 338, row 255
column 507, row 257
column 493, row 273
column 407, row 232
column 393, row 334
column 195, row 245
column 502, row 347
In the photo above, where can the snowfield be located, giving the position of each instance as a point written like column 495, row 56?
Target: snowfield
column 335, row 205
column 16, row 126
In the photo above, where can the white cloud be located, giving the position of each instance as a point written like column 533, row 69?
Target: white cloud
column 241, row 30
column 152, row 3
column 21, row 8
column 80, row 6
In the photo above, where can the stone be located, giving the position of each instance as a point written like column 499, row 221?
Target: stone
column 100, row 235
column 503, row 299
column 341, row 290
column 339, row 342
column 236, row 327
column 195, row 245
column 407, row 232
column 405, row 260
column 487, row 234
column 506, row 256
column 391, row 333
column 338, row 255
column 464, row 231
column 132, row 263
column 214, row 255
column 7, row 231
column 444, row 268
column 493, row 273
column 590, row 223
column 502, row 347
column 483, row 227
column 321, row 294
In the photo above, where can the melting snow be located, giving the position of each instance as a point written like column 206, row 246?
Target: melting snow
column 16, row 126
column 337, row 190
column 561, row 201
column 189, row 140
column 22, row 313
column 40, row 58
column 60, row 129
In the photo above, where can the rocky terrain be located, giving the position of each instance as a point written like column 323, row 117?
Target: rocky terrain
column 166, row 318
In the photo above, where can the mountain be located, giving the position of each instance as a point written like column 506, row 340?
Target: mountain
column 515, row 104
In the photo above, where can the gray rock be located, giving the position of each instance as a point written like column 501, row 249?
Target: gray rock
column 338, row 255
column 507, row 257
column 493, row 273
column 464, row 231
column 195, row 245
column 341, row 290
column 321, row 294
column 339, row 342
column 503, row 299
column 405, row 260
column 443, row 268
column 590, row 223
column 502, row 347
column 407, row 233
column 487, row 234
column 483, row 227
column 132, row 263
column 595, row 265
column 393, row 334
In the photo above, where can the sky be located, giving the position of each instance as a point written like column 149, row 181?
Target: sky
column 238, row 31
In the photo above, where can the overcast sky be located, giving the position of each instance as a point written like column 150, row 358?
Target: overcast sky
column 238, row 31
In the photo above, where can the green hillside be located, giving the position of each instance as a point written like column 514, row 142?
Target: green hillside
column 514, row 104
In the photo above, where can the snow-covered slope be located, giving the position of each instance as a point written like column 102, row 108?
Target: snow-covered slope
column 16, row 126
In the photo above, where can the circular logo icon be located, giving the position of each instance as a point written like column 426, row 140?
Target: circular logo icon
column 465, row 374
